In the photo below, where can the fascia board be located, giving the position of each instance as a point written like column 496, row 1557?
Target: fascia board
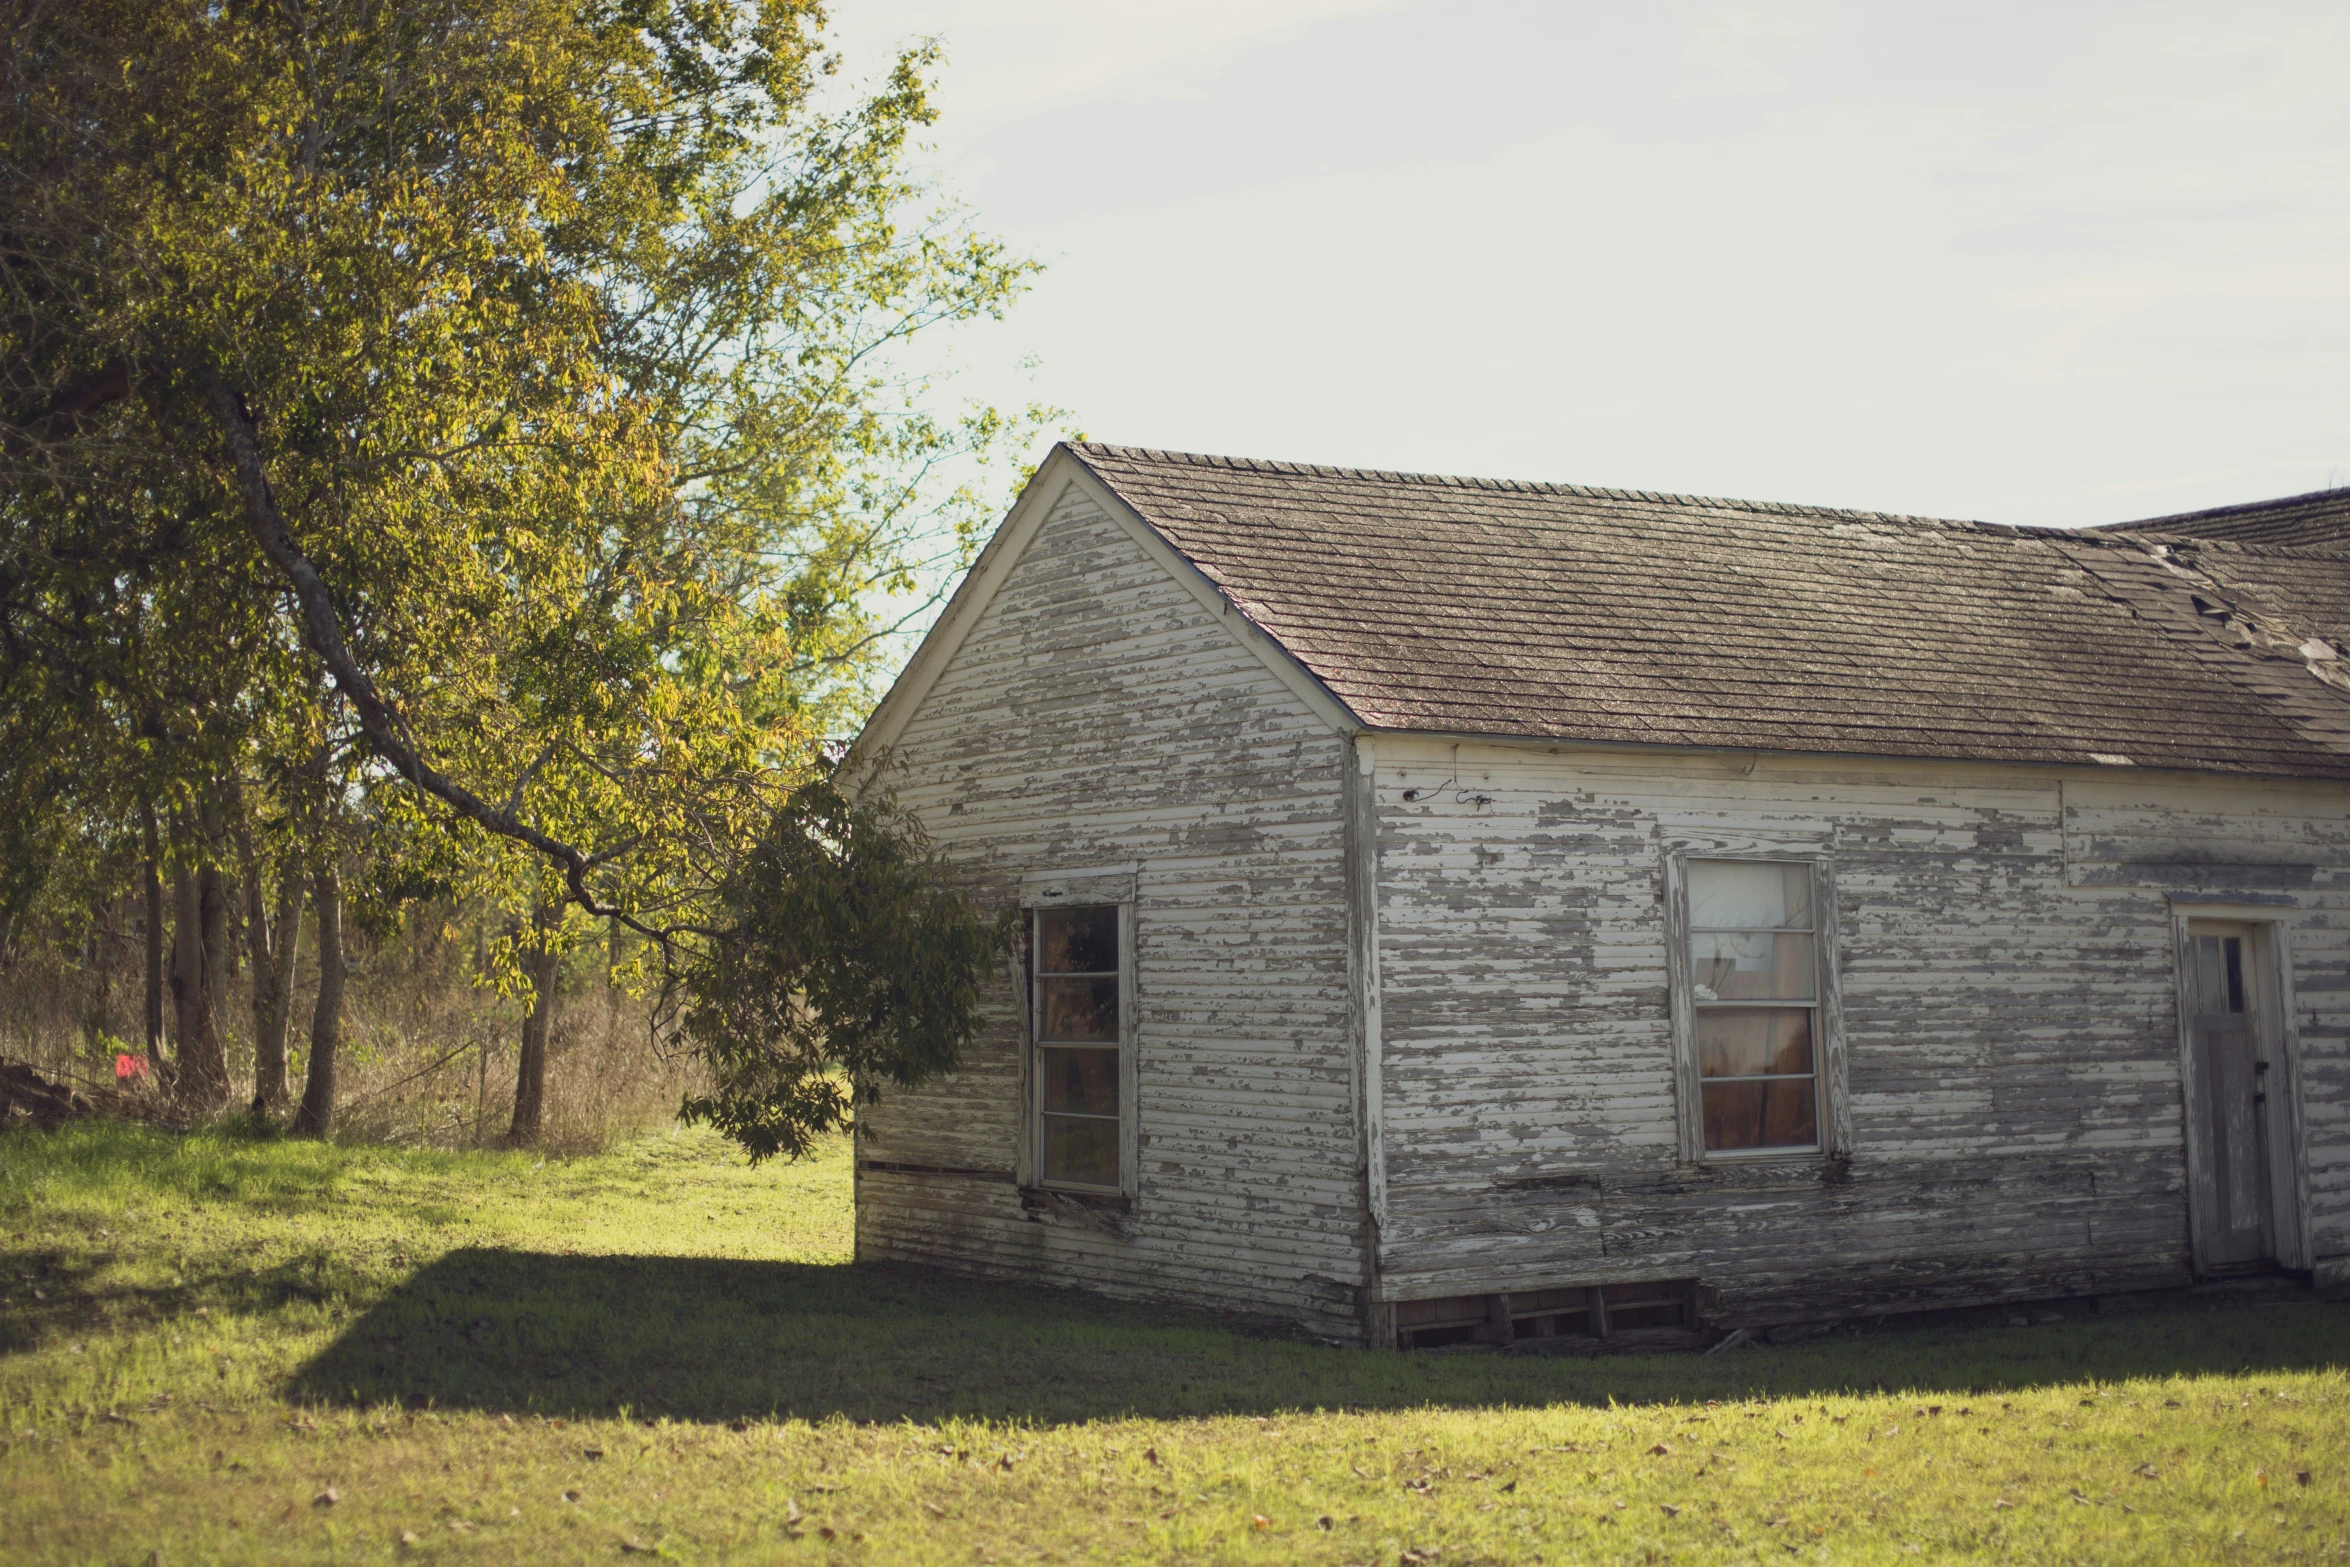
column 1284, row 665
column 954, row 625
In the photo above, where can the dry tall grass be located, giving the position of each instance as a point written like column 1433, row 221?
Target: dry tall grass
column 428, row 1055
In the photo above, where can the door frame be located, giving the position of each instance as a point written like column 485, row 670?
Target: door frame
column 2271, row 970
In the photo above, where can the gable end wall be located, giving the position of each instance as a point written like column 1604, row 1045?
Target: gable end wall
column 1099, row 715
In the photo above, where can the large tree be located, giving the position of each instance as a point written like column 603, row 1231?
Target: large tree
column 495, row 397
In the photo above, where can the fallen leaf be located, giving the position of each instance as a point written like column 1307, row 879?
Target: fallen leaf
column 2260, row 1478
column 1324, row 1524
column 591, row 1452
column 2300, row 1477
column 791, row 1511
column 825, row 1531
column 635, row 1548
column 1670, row 1510
column 1659, row 1451
column 2002, row 1505
column 934, row 1508
column 571, row 1496
column 1150, row 1455
column 1510, row 1485
column 408, row 1537
column 738, row 1425
column 326, row 1498
column 2084, row 1501
column 1260, row 1521
column 2147, row 1472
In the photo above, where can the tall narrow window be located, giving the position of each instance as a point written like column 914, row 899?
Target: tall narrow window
column 1075, row 1008
column 1754, row 1002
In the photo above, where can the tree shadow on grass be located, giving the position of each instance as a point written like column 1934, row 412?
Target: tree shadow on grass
column 721, row 1340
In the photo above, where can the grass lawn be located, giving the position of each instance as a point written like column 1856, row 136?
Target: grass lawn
column 222, row 1350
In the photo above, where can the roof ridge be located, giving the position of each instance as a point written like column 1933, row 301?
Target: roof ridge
column 1163, row 455
column 2234, row 509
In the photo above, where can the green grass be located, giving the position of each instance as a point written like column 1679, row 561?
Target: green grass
column 481, row 1357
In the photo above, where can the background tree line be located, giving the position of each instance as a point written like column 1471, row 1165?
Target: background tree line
column 454, row 456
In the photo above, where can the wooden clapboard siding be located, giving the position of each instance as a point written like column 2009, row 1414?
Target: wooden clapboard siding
column 2133, row 842
column 2008, row 1010
column 1099, row 713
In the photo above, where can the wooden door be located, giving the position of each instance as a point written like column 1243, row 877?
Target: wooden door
column 2232, row 1062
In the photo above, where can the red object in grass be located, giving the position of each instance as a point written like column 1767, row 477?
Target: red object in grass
column 127, row 1066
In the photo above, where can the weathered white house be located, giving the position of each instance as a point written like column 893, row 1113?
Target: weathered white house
column 1471, row 909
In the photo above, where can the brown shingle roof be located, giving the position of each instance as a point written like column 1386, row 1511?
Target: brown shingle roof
column 2318, row 520
column 1470, row 606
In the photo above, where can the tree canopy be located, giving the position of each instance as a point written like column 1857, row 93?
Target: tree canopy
column 473, row 418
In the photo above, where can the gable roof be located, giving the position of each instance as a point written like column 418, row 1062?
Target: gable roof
column 1542, row 611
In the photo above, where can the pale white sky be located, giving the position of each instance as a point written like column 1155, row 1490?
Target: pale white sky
column 2059, row 262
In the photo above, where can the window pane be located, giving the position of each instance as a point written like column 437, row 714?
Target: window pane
column 1782, row 1112
column 1078, row 1008
column 1085, row 1080
column 1753, row 1042
column 1080, row 1149
column 1744, row 895
column 1077, row 941
column 1730, row 965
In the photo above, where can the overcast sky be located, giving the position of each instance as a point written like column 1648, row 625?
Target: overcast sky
column 2047, row 263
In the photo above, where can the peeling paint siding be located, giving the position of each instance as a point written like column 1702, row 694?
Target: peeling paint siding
column 1099, row 715
column 2008, row 1003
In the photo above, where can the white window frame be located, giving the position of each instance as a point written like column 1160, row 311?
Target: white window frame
column 1100, row 887
column 1828, row 1063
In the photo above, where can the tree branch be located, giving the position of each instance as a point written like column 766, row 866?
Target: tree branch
column 377, row 722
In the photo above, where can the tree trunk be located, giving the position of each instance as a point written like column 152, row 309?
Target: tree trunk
column 200, row 1070
column 276, row 950
column 204, row 1072
column 530, row 1072
column 317, row 1115
column 154, row 940
column 187, row 978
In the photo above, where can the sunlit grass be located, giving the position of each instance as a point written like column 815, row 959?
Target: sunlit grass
column 482, row 1356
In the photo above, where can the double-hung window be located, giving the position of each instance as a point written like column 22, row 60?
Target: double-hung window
column 1078, row 974
column 1752, row 972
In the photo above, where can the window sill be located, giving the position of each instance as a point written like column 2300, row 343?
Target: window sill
column 1758, row 1156
column 1811, row 1164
